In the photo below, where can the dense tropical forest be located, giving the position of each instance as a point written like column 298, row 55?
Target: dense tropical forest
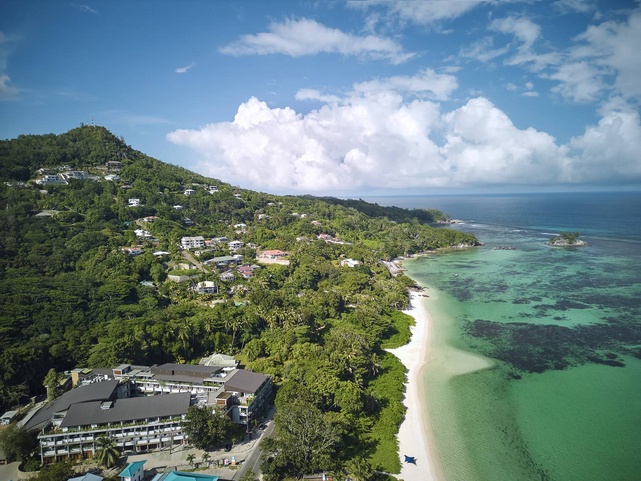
column 86, row 280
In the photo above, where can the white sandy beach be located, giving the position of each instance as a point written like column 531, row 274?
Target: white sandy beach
column 414, row 434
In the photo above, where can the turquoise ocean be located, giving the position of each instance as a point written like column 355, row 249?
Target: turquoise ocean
column 534, row 371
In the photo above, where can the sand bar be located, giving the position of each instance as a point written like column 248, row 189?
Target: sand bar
column 414, row 436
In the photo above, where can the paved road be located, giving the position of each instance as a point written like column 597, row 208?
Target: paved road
column 252, row 461
column 9, row 471
column 187, row 255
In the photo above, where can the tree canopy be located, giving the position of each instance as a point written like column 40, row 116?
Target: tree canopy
column 73, row 293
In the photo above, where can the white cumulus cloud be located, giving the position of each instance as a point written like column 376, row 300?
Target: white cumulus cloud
column 299, row 37
column 609, row 151
column 387, row 137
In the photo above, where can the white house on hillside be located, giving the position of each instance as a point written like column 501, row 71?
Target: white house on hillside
column 192, row 242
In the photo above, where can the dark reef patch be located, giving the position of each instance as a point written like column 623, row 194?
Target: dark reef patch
column 537, row 348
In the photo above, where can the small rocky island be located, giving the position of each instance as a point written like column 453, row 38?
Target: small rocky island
column 567, row 239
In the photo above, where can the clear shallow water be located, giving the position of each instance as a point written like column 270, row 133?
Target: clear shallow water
column 535, row 364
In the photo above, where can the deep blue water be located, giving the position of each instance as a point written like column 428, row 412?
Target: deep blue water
column 600, row 214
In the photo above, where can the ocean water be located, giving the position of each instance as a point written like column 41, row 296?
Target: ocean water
column 534, row 370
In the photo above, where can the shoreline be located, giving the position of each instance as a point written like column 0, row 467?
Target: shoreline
column 415, row 437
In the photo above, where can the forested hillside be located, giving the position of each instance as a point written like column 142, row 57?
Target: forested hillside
column 85, row 280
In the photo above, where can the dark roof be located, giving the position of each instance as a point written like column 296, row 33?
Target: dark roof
column 130, row 409
column 176, row 378
column 244, row 381
column 195, row 370
column 97, row 391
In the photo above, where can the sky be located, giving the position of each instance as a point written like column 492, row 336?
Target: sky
column 341, row 97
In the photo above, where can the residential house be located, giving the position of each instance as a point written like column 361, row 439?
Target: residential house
column 315, row 222
column 133, row 251
column 212, row 189
column 192, row 242
column 51, row 180
column 247, row 271
column 349, row 263
column 150, row 219
column 227, row 276
column 133, row 202
column 240, row 227
column 112, row 177
column 235, row 245
column 219, row 240
column 205, row 287
column 189, row 191
column 75, row 174
column 187, row 221
column 143, row 234
column 113, row 165
column 224, row 261
column 263, row 217
column 272, row 254
column 178, row 207
column 8, row 417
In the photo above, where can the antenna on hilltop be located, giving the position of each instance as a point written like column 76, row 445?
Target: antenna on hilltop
column 92, row 120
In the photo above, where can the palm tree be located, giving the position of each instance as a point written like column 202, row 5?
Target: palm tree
column 108, row 453
column 206, row 458
column 190, row 459
column 359, row 469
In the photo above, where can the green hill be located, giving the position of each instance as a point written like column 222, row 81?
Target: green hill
column 84, row 280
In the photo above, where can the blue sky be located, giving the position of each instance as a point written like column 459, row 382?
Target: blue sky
column 341, row 97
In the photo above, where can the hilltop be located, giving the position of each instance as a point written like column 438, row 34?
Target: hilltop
column 110, row 256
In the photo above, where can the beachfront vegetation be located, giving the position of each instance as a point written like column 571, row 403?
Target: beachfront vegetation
column 71, row 296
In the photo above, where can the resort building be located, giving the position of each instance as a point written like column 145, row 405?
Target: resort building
column 143, row 407
column 137, row 424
